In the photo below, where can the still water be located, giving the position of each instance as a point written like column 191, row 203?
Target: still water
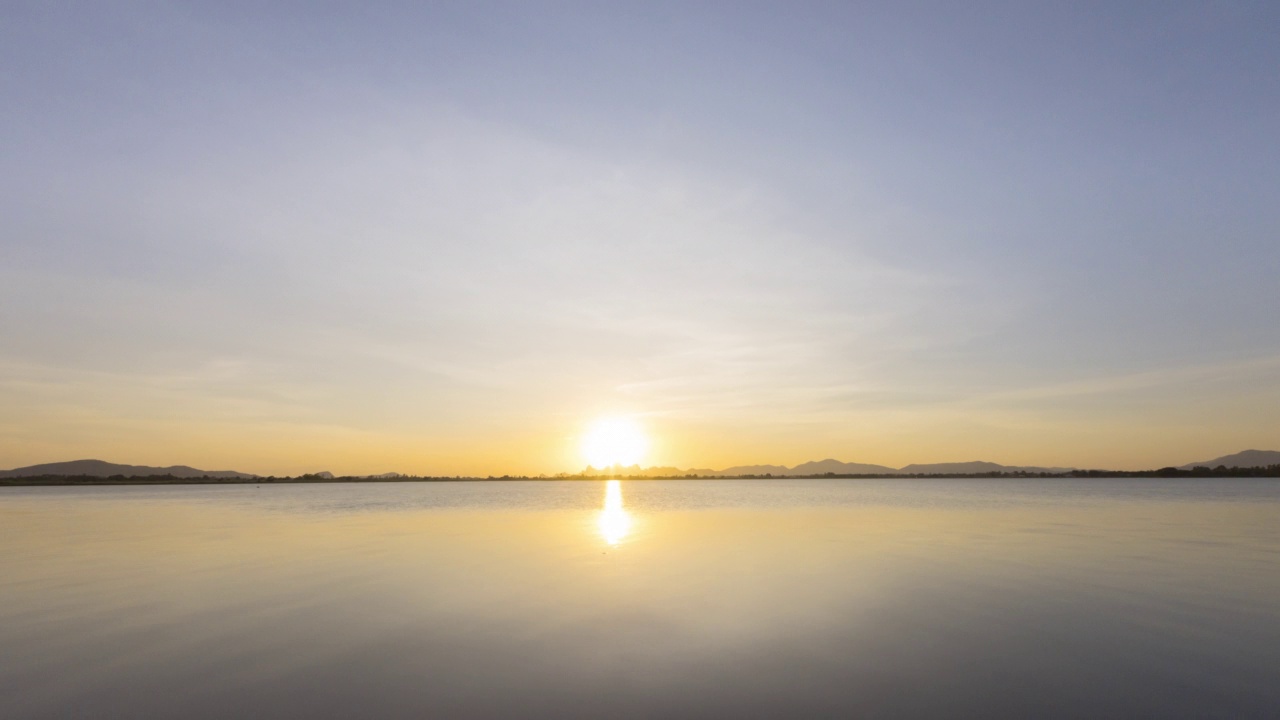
column 852, row 598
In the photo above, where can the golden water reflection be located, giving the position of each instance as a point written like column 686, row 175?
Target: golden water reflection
column 614, row 521
column 716, row 601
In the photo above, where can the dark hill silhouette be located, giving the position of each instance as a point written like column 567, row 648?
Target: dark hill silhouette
column 100, row 468
column 752, row 470
column 1245, row 459
column 822, row 467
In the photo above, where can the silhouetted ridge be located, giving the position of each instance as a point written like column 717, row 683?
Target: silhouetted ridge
column 821, row 467
column 101, row 468
column 1245, row 459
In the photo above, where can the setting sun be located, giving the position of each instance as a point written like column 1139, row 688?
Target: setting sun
column 614, row 441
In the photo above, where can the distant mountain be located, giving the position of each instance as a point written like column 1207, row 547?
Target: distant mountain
column 753, row 470
column 99, row 468
column 821, row 467
column 1246, row 459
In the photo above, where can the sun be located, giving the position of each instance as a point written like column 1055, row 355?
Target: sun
column 614, row 441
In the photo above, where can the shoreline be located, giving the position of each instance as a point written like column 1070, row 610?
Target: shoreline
column 91, row 480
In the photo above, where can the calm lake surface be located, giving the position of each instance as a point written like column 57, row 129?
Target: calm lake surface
column 857, row 598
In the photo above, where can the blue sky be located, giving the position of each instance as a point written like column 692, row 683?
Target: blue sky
column 445, row 239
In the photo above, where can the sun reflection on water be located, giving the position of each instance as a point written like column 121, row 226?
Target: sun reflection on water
column 615, row 522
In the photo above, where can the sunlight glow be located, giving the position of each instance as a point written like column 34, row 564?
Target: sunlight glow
column 614, row 441
column 615, row 522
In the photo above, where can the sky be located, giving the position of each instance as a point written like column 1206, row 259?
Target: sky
column 445, row 238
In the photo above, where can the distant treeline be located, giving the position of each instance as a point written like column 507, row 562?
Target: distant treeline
column 1170, row 472
column 1197, row 471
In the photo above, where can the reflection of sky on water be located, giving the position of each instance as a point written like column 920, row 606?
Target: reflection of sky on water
column 188, row 602
column 615, row 521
